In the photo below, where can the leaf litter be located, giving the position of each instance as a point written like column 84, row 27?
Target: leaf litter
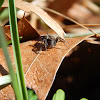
column 24, row 29
column 42, row 72
column 27, row 7
column 39, row 69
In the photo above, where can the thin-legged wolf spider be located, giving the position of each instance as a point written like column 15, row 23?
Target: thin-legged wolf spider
column 47, row 42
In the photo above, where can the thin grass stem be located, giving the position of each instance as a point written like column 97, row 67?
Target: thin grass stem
column 16, row 48
column 10, row 67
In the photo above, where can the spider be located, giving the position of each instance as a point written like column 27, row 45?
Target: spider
column 47, row 41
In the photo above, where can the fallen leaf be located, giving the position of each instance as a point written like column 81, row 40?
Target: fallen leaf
column 82, row 14
column 61, row 5
column 24, row 29
column 4, row 95
column 28, row 7
column 43, row 66
column 94, row 40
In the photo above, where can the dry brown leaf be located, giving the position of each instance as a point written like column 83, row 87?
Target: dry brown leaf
column 87, row 25
column 28, row 7
column 61, row 5
column 44, row 66
column 24, row 29
column 4, row 95
column 82, row 14
column 94, row 40
column 91, row 6
column 80, row 31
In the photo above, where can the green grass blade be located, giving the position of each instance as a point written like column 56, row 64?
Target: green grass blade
column 16, row 47
column 10, row 67
column 1, row 2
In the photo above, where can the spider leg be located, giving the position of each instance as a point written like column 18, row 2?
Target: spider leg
column 64, row 41
column 45, row 43
column 55, row 43
column 52, row 43
column 41, row 44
